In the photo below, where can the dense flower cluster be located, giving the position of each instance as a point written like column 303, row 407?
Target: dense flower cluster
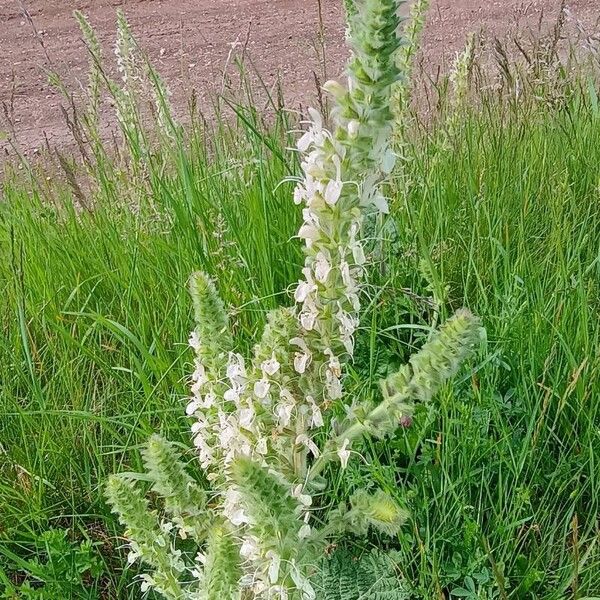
column 254, row 420
column 267, row 410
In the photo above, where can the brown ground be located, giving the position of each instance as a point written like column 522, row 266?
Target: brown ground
column 189, row 42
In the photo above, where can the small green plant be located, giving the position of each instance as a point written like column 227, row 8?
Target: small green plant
column 61, row 569
column 478, row 587
column 374, row 575
column 262, row 427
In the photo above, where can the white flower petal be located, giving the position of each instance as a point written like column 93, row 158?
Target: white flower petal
column 246, row 417
column 344, row 453
column 273, row 566
column 271, row 366
column 232, row 395
column 307, row 320
column 300, row 362
column 194, row 340
column 304, row 531
column 261, row 388
column 333, row 191
column 192, row 407
column 305, row 141
column 358, row 253
column 322, row 268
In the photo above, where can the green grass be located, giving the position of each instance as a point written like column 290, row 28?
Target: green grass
column 501, row 475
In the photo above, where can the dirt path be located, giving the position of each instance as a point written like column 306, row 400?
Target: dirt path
column 189, row 42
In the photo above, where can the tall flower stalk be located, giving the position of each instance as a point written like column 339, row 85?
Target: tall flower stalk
column 342, row 170
column 405, row 61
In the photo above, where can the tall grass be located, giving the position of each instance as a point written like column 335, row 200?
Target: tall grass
column 501, row 214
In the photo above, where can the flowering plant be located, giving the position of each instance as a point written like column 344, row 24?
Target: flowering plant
column 258, row 531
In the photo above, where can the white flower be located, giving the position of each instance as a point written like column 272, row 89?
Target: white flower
column 275, row 562
column 333, row 191
column 299, row 194
column 303, row 290
column 309, row 313
column 270, row 366
column 236, row 371
column 380, row 203
column 250, row 548
column 348, row 342
column 347, row 278
column 310, row 217
column 205, row 452
column 316, row 419
column 301, row 359
column 388, row 162
column 335, row 88
column 304, row 440
column 314, row 166
column 298, row 341
column 301, row 362
column 209, row 400
column 309, row 233
column 246, row 417
column 166, row 527
column 322, row 267
column 261, row 388
column 232, row 508
column 276, row 592
column 308, row 319
column 334, row 386
column 315, row 117
column 344, row 453
column 228, row 432
column 333, row 374
column 232, row 394
column 199, row 375
column 194, row 340
column 305, row 141
column 192, row 407
column 196, row 389
column 358, row 253
column 302, row 583
column 283, row 412
column 147, row 582
column 348, row 322
column 304, row 499
column 244, row 447
column 198, row 426
column 304, row 531
column 334, row 363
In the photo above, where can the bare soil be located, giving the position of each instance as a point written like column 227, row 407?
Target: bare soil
column 191, row 43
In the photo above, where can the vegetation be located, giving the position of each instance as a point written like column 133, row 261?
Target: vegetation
column 494, row 206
